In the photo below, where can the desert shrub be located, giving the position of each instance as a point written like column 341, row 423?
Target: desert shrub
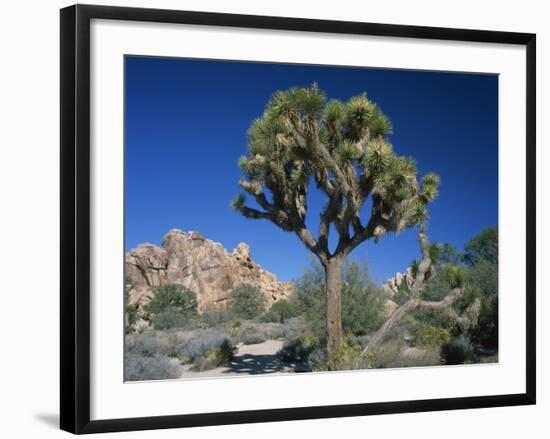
column 144, row 368
column 297, row 349
column 143, row 345
column 483, row 246
column 484, row 275
column 131, row 317
column 348, row 357
column 448, row 277
column 173, row 297
column 217, row 316
column 431, row 336
column 200, row 343
column 275, row 331
column 455, row 275
column 251, row 335
column 402, row 294
column 395, row 353
column 317, row 359
column 362, row 301
column 281, row 310
column 361, row 340
column 310, row 297
column 214, row 357
column 389, row 354
column 458, row 350
column 247, row 301
column 152, row 343
column 486, row 331
column 291, row 328
column 172, row 318
column 130, row 311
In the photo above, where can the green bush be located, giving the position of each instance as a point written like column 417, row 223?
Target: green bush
column 145, row 359
column 310, row 298
column 205, row 348
column 486, row 331
column 402, row 294
column 484, row 246
column 130, row 311
column 281, row 310
column 131, row 317
column 247, row 301
column 348, row 357
column 138, row 367
column 431, row 336
column 395, row 353
column 175, row 298
column 484, row 275
column 214, row 357
column 251, row 335
column 295, row 350
column 449, row 276
column 455, row 275
column 362, row 301
column 172, row 318
column 459, row 350
column 217, row 316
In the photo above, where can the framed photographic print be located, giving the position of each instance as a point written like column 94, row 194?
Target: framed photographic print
column 305, row 218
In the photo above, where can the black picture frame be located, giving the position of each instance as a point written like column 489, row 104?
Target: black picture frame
column 75, row 217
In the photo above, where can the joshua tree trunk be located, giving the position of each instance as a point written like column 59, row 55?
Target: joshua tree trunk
column 333, row 290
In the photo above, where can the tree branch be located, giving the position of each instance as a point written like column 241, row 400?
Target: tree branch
column 443, row 307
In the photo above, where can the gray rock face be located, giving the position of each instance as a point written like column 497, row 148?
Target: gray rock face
column 393, row 284
column 204, row 266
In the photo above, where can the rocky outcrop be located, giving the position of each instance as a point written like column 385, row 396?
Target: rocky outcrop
column 392, row 285
column 206, row 267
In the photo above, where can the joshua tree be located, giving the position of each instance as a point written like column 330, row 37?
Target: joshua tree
column 343, row 149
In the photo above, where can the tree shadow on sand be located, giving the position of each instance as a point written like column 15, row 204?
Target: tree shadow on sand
column 260, row 364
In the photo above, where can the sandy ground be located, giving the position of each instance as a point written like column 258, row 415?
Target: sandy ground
column 250, row 359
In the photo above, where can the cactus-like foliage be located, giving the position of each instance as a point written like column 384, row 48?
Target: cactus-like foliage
column 344, row 150
column 343, row 147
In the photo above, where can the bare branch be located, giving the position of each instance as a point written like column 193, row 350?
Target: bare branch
column 442, row 308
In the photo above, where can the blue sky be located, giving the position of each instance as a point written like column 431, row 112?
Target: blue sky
column 185, row 129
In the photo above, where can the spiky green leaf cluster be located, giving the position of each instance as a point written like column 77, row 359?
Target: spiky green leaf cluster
column 304, row 102
column 344, row 148
column 358, row 114
column 348, row 150
column 417, row 214
column 334, row 112
column 455, row 275
column 379, row 156
column 436, row 253
column 430, row 186
column 380, row 125
column 238, row 202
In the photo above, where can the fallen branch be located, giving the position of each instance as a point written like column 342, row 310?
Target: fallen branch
column 443, row 307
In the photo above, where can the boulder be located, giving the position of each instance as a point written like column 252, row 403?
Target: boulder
column 206, row 267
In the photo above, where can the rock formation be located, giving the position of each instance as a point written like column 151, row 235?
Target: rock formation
column 204, row 266
column 393, row 284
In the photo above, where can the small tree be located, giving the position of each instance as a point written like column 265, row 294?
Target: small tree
column 343, row 149
column 247, row 301
column 174, row 298
column 483, row 246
